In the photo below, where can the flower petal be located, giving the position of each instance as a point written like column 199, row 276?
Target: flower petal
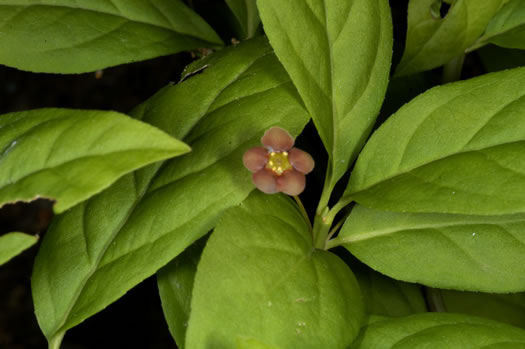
column 301, row 160
column 277, row 139
column 265, row 181
column 291, row 182
column 255, row 159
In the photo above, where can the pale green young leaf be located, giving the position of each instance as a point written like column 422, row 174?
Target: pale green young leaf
column 439, row 330
column 433, row 41
column 457, row 148
column 247, row 15
column 69, row 36
column 338, row 54
column 12, row 244
column 175, row 282
column 477, row 253
column 70, row 155
column 97, row 251
column 259, row 278
column 508, row 308
column 507, row 27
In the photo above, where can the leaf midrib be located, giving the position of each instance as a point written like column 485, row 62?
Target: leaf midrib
column 117, row 15
column 357, row 237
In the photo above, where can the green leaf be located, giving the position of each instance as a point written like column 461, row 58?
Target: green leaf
column 97, row 251
column 439, row 330
column 477, row 253
column 175, row 283
column 250, row 343
column 433, row 41
column 458, row 148
column 386, row 296
column 260, row 278
column 69, row 36
column 506, row 28
column 70, row 155
column 508, row 308
column 12, row 244
column 247, row 15
column 338, row 56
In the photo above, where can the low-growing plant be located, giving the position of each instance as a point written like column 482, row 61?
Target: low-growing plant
column 417, row 233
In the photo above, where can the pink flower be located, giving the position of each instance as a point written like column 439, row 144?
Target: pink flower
column 278, row 167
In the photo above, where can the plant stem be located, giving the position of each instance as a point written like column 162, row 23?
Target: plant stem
column 321, row 228
column 452, row 70
column 435, row 300
column 337, row 226
column 303, row 210
column 56, row 341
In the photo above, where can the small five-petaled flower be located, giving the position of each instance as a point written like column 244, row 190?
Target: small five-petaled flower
column 278, row 166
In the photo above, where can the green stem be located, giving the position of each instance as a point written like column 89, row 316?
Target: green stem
column 333, row 243
column 303, row 210
column 321, row 228
column 336, row 227
column 325, row 195
column 452, row 70
column 435, row 300
column 56, row 341
column 337, row 207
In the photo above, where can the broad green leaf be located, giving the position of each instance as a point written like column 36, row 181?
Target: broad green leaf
column 247, row 15
column 250, row 343
column 439, row 330
column 477, row 253
column 386, row 296
column 12, row 244
column 97, row 251
column 259, row 278
column 507, row 27
column 175, row 283
column 69, row 36
column 433, row 41
column 508, row 308
column 338, row 56
column 69, row 155
column 457, row 148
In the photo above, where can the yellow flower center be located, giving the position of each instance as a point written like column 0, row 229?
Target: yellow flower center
column 278, row 162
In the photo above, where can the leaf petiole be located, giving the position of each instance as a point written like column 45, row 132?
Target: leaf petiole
column 303, row 211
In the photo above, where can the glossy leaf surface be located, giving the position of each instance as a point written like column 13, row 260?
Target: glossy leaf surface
column 508, row 308
column 12, row 244
column 433, row 41
column 69, row 36
column 260, row 279
column 479, row 253
column 439, row 330
column 507, row 28
column 247, row 15
column 457, row 148
column 69, row 155
column 338, row 54
column 97, row 251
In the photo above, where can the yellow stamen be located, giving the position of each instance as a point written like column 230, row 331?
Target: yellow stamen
column 278, row 162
